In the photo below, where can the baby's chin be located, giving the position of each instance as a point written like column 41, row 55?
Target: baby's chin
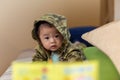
column 53, row 50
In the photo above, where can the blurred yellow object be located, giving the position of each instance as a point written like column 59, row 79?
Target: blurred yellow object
column 60, row 71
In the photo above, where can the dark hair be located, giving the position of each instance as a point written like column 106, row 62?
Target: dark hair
column 35, row 34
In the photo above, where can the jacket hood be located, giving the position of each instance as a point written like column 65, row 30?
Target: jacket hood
column 59, row 21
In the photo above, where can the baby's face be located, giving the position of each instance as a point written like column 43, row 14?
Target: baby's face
column 50, row 38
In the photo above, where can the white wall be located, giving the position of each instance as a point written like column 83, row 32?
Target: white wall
column 116, row 10
column 17, row 17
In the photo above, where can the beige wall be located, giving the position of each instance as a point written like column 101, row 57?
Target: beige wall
column 17, row 16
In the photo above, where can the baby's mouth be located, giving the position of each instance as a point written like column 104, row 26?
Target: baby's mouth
column 53, row 46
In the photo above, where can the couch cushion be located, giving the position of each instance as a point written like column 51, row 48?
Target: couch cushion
column 76, row 33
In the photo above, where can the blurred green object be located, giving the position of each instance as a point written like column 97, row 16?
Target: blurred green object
column 107, row 70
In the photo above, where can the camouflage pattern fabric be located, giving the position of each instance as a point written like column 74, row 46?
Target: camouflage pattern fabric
column 67, row 52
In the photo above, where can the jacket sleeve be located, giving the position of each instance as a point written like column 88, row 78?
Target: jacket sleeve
column 38, row 57
column 75, row 55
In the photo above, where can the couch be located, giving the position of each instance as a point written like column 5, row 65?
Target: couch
column 107, row 69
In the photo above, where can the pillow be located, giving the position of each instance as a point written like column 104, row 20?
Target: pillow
column 107, row 39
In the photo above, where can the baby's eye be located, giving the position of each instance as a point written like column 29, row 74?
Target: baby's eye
column 46, row 37
column 57, row 35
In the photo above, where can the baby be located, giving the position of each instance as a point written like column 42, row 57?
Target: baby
column 53, row 38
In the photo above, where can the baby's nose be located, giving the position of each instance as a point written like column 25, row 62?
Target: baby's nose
column 52, row 40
